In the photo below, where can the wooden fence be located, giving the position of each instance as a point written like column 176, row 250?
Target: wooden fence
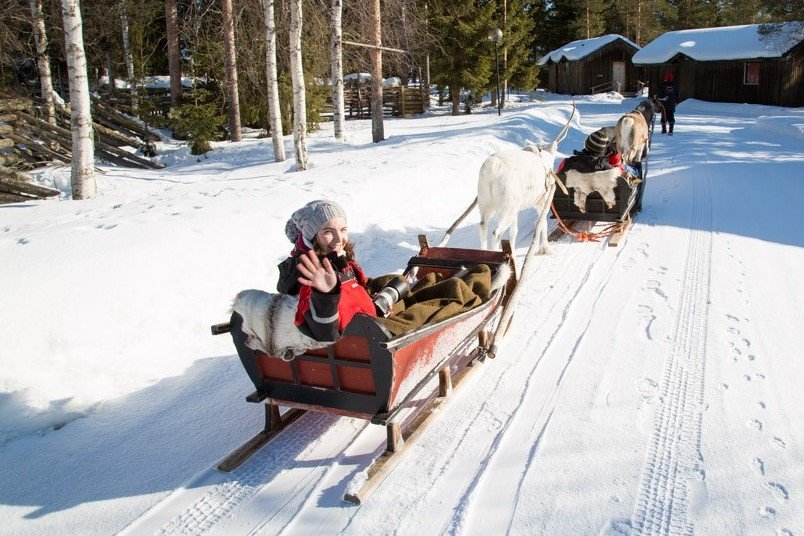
column 397, row 101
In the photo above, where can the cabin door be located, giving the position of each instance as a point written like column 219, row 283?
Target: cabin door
column 618, row 76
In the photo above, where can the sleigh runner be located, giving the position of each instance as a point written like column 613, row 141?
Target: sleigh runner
column 393, row 381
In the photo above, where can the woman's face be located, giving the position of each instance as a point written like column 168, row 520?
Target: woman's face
column 333, row 236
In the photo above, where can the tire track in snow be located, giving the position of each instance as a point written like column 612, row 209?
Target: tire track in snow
column 463, row 447
column 673, row 485
column 309, row 435
column 410, row 513
column 521, row 440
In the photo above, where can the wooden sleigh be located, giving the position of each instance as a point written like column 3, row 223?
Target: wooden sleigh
column 628, row 203
column 396, row 382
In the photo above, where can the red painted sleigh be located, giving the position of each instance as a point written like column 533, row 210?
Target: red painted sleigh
column 369, row 374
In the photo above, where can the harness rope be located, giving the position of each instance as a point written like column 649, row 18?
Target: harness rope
column 583, row 236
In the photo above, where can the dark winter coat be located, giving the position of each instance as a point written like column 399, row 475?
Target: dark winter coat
column 668, row 94
column 324, row 315
column 583, row 162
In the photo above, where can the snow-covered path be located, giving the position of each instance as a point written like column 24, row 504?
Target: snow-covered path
column 649, row 388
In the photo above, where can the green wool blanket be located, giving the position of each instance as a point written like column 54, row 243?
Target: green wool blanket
column 433, row 298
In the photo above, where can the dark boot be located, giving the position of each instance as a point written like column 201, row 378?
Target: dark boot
column 671, row 128
column 664, row 128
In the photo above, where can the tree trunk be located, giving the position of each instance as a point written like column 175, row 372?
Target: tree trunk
column 132, row 78
column 174, row 61
column 638, row 22
column 338, row 113
column 588, row 25
column 297, row 77
column 377, row 131
column 43, row 59
column 83, row 165
column 504, row 88
column 426, row 79
column 274, row 114
column 455, row 97
column 231, row 72
column 111, row 75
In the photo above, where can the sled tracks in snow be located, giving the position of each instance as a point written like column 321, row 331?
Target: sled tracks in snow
column 673, row 481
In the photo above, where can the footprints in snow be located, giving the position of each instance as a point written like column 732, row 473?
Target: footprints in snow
column 744, row 357
column 647, row 315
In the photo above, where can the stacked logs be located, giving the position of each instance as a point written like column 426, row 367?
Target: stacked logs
column 15, row 158
column 28, row 142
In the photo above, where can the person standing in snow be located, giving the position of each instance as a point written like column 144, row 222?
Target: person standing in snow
column 668, row 95
column 323, row 271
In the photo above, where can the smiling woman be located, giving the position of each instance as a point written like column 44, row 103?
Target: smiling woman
column 323, row 271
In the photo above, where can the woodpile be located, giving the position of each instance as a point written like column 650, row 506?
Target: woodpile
column 28, row 142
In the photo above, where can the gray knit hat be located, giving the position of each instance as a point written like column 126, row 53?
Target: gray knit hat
column 309, row 219
column 596, row 143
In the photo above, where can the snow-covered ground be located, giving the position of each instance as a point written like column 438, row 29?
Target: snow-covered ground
column 653, row 387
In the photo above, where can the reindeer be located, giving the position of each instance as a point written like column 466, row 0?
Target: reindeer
column 512, row 181
column 631, row 132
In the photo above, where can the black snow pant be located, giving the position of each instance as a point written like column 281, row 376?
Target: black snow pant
column 669, row 116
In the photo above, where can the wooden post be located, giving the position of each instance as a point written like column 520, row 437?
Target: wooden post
column 273, row 419
column 402, row 100
column 395, row 441
column 444, row 382
column 424, row 245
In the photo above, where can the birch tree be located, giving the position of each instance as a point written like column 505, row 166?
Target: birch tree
column 297, row 79
column 43, row 59
column 83, row 170
column 231, row 72
column 274, row 113
column 377, row 130
column 129, row 59
column 174, row 60
column 338, row 114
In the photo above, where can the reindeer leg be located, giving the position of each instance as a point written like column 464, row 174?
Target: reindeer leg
column 504, row 225
column 541, row 225
column 483, row 229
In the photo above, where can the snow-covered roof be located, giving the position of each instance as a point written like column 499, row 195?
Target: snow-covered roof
column 726, row 43
column 580, row 49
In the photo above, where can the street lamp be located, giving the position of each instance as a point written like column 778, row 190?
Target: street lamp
column 495, row 34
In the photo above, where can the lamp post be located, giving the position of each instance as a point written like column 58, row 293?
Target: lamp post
column 495, row 34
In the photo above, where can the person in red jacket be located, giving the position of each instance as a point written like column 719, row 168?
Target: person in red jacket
column 323, row 271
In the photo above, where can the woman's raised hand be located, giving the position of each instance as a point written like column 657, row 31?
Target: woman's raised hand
column 316, row 273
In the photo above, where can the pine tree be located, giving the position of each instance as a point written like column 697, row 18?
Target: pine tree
column 691, row 14
column 463, row 57
column 520, row 68
column 590, row 18
column 641, row 21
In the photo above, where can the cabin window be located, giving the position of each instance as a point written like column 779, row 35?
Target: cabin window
column 751, row 76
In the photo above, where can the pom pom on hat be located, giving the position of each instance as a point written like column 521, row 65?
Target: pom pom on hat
column 309, row 219
column 596, row 143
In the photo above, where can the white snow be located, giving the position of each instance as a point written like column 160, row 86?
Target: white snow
column 581, row 48
column 725, row 43
column 653, row 387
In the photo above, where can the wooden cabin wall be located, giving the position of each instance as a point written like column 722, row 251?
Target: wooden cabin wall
column 578, row 77
column 596, row 68
column 781, row 80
